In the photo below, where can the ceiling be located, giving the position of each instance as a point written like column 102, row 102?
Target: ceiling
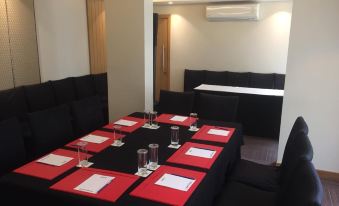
column 162, row 2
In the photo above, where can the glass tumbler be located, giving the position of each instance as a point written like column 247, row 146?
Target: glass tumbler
column 142, row 161
column 117, row 135
column 154, row 116
column 147, row 118
column 153, row 156
column 82, row 154
column 194, row 126
column 174, row 135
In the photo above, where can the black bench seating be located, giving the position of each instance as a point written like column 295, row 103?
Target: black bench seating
column 194, row 78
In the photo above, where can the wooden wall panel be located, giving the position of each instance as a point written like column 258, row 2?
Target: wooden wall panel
column 97, row 35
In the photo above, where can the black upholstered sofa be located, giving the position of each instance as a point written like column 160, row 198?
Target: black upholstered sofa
column 54, row 109
column 194, row 78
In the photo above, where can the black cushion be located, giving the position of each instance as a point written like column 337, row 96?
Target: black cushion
column 51, row 129
column 40, row 96
column 13, row 103
column 264, row 81
column 100, row 83
column 263, row 177
column 193, row 78
column 64, row 90
column 180, row 103
column 12, row 148
column 216, row 78
column 84, row 86
column 238, row 194
column 279, row 81
column 237, row 79
column 216, row 107
column 87, row 114
column 304, row 188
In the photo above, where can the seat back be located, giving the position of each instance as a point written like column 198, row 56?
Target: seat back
column 264, row 81
column 217, row 107
column 40, row 96
column 299, row 126
column 12, row 148
column 100, row 84
column 87, row 115
column 84, row 86
column 180, row 103
column 238, row 79
column 64, row 91
column 216, row 78
column 304, row 188
column 51, row 129
column 279, row 81
column 300, row 148
column 13, row 103
column 193, row 78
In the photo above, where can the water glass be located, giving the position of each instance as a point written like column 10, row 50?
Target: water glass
column 154, row 116
column 142, row 161
column 147, row 118
column 82, row 154
column 174, row 135
column 153, row 159
column 117, row 135
column 194, row 125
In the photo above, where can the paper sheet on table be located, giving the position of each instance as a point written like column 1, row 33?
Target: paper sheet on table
column 178, row 118
column 219, row 132
column 126, row 123
column 94, row 139
column 200, row 152
column 175, row 182
column 54, row 160
column 94, row 184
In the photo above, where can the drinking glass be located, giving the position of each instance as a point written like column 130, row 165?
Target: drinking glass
column 117, row 135
column 82, row 154
column 194, row 126
column 154, row 116
column 174, row 135
column 153, row 159
column 147, row 118
column 142, row 161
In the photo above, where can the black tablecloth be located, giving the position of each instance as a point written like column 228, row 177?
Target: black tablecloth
column 21, row 189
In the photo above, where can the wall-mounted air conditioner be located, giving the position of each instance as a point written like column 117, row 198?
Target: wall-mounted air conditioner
column 233, row 12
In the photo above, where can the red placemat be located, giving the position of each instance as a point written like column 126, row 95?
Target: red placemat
column 93, row 147
column 110, row 193
column 149, row 190
column 181, row 158
column 202, row 134
column 49, row 172
column 166, row 118
column 130, row 129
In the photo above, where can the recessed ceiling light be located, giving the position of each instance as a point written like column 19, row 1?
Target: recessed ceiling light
column 170, row 2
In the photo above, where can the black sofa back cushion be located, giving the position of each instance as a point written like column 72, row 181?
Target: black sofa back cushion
column 12, row 148
column 237, row 79
column 40, row 96
column 217, row 107
column 304, row 188
column 51, row 129
column 64, row 90
column 13, row 103
column 180, row 103
column 100, row 83
column 84, row 86
column 216, row 78
column 88, row 115
column 193, row 78
column 264, row 81
column 279, row 81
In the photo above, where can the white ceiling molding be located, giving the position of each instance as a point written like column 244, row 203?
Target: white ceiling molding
column 165, row 2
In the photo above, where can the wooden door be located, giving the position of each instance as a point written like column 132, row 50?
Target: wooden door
column 162, row 72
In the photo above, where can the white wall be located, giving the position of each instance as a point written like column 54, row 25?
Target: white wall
column 130, row 56
column 312, row 79
column 62, row 38
column 257, row 46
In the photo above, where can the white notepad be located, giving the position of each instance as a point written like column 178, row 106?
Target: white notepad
column 55, row 160
column 200, row 152
column 177, row 118
column 126, row 123
column 94, row 184
column 94, row 139
column 219, row 132
column 175, row 182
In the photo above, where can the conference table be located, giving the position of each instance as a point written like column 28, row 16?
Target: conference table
column 259, row 110
column 21, row 189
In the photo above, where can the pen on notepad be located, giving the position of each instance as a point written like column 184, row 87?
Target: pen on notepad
column 204, row 149
column 182, row 176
